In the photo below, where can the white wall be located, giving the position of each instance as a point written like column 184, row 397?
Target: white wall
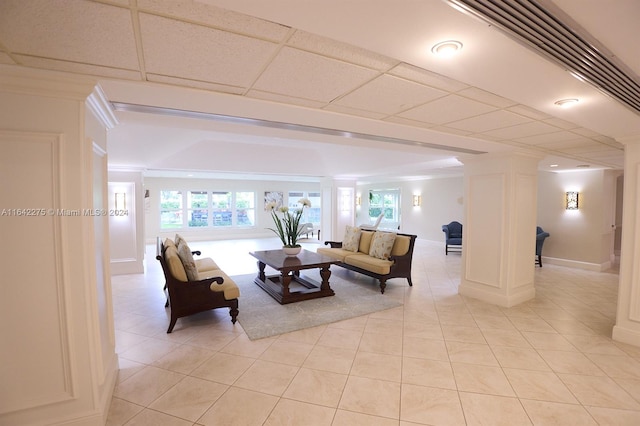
column 442, row 202
column 263, row 218
column 580, row 238
column 126, row 242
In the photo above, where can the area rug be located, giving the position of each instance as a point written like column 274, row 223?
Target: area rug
column 261, row 316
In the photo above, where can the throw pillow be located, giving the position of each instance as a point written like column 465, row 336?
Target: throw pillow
column 179, row 239
column 168, row 242
column 382, row 244
column 351, row 240
column 189, row 264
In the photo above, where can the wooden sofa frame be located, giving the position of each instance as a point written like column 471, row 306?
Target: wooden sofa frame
column 401, row 267
column 191, row 297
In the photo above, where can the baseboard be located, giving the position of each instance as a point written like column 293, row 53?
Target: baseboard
column 587, row 266
column 625, row 335
column 504, row 301
column 124, row 267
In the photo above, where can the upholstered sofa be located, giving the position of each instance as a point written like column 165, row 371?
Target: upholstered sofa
column 194, row 285
column 383, row 260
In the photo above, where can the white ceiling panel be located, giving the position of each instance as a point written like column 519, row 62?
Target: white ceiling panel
column 490, row 121
column 427, row 78
column 354, row 111
column 222, row 88
column 290, row 100
column 523, row 130
column 551, row 138
column 306, row 75
column 176, row 48
column 197, row 12
column 389, row 95
column 447, row 109
column 82, row 32
column 486, row 97
column 341, row 51
column 79, row 68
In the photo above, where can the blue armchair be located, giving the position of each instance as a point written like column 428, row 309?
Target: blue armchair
column 541, row 235
column 452, row 236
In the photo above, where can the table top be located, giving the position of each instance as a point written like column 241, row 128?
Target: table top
column 306, row 259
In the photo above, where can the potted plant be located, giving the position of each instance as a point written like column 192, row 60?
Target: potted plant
column 288, row 224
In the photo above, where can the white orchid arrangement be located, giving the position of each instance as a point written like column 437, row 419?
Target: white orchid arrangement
column 288, row 224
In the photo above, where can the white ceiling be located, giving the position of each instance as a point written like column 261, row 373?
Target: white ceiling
column 332, row 88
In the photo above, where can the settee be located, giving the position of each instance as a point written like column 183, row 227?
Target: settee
column 193, row 285
column 378, row 254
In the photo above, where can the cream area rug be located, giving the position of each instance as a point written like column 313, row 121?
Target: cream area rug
column 262, row 316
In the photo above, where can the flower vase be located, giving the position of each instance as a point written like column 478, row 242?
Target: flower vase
column 292, row 251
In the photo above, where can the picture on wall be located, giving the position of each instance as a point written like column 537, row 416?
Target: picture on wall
column 271, row 196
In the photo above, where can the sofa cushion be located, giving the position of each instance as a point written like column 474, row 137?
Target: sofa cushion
column 364, row 261
column 382, row 244
column 187, row 261
column 334, row 253
column 168, row 242
column 365, row 241
column 401, row 245
column 351, row 240
column 206, row 264
column 174, row 263
column 177, row 239
column 228, row 287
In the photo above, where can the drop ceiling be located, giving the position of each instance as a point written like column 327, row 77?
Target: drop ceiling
column 328, row 89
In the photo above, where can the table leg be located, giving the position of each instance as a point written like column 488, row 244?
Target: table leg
column 286, row 280
column 261, row 274
column 325, row 273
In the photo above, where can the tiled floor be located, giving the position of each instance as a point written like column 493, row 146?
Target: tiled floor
column 440, row 359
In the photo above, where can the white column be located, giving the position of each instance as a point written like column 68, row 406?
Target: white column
column 499, row 227
column 59, row 364
column 627, row 328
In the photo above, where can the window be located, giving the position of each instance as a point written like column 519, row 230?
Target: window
column 221, row 209
column 246, row 208
column 311, row 214
column 387, row 201
column 198, row 208
column 171, row 209
column 218, row 209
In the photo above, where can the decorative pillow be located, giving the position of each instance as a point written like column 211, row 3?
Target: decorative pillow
column 381, row 245
column 188, row 262
column 178, row 239
column 351, row 239
column 168, row 242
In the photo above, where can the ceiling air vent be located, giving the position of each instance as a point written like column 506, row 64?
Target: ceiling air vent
column 529, row 23
column 583, row 166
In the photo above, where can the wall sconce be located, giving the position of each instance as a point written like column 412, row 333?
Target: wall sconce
column 121, row 202
column 572, row 198
column 417, row 200
column 358, row 200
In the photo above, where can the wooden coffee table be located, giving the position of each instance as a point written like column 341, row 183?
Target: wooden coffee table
column 289, row 267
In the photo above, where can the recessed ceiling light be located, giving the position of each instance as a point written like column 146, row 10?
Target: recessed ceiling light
column 446, row 48
column 566, row 103
column 553, row 165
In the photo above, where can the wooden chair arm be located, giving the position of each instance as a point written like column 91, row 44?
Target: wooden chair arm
column 205, row 282
column 333, row 244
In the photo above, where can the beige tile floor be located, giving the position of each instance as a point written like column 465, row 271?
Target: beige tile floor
column 440, row 359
